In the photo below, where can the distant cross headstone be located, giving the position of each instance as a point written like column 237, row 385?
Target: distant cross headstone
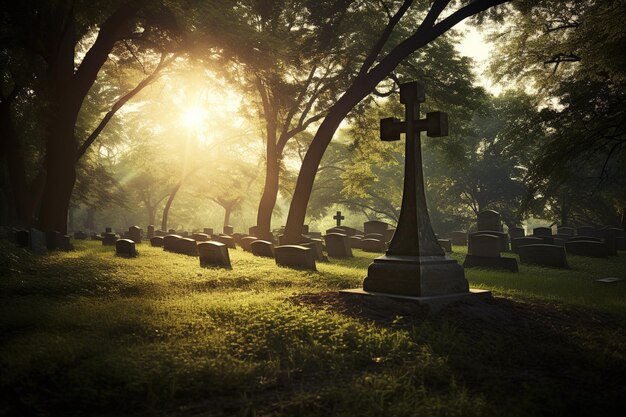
column 339, row 218
column 414, row 264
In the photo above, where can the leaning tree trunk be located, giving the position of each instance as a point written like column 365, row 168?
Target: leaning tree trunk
column 168, row 205
column 270, row 190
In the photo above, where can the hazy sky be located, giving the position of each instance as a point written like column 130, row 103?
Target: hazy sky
column 475, row 46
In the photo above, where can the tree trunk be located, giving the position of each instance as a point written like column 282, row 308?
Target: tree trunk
column 312, row 159
column 90, row 222
column 227, row 211
column 270, row 189
column 151, row 214
column 168, row 205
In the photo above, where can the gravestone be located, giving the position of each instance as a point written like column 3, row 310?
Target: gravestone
column 262, row 248
column 109, row 239
column 125, row 248
column 161, row 233
column 108, row 230
column 484, row 252
column 200, row 237
column 295, row 256
column 528, row 240
column 134, row 234
column 150, row 231
column 208, row 231
column 316, row 246
column 587, row 231
column 337, row 245
column 375, row 226
column 489, row 220
column 228, row 230
column 544, row 255
column 52, row 238
column 587, row 248
column 458, row 238
column 184, row 233
column 504, row 239
column 315, row 235
column 542, row 231
column 172, row 232
column 37, row 241
column 237, row 237
column 227, row 240
column 373, row 245
column 414, row 264
column 213, row 254
column 446, row 245
column 563, row 230
column 63, row 243
column 388, row 235
column 169, row 242
column 585, row 238
column 246, row 241
column 156, row 241
column 22, row 238
column 376, row 236
column 186, row 246
column 339, row 218
column 336, row 230
column 355, row 241
column 80, row 235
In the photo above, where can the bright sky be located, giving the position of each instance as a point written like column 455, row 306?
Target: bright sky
column 474, row 46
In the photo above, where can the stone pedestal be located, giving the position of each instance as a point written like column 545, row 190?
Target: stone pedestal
column 418, row 276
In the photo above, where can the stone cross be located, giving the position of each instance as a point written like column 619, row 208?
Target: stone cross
column 414, row 235
column 339, row 218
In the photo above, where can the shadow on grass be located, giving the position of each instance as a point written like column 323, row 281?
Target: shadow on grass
column 523, row 358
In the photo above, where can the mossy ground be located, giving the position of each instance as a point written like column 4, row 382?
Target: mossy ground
column 89, row 333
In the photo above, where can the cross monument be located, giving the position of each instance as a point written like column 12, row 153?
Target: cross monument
column 339, row 218
column 415, row 264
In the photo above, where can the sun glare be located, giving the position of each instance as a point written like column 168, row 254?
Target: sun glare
column 193, row 117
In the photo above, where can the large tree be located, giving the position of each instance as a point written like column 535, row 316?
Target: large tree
column 384, row 55
column 54, row 52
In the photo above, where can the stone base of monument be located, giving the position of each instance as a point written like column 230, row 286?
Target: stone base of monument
column 474, row 261
column 435, row 302
column 415, row 276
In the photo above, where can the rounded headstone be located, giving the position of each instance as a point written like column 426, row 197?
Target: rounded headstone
column 125, row 248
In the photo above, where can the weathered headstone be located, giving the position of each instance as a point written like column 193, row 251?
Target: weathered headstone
column 125, row 248
column 316, row 246
column 528, row 240
column 109, row 239
column 295, row 256
column 355, row 241
column 80, row 235
column 150, row 232
column 262, row 248
column 200, row 237
column 227, row 240
column 484, row 252
column 587, row 248
column 542, row 231
column 186, row 246
column 503, row 238
column 228, row 230
column 237, row 237
column 376, row 236
column 587, row 231
column 156, row 241
column 373, row 245
column 337, row 245
column 488, row 220
column 544, row 255
column 134, row 234
column 246, row 241
column 458, row 238
column 563, row 230
column 375, row 226
column 213, row 254
column 37, row 241
column 208, row 231
column 169, row 242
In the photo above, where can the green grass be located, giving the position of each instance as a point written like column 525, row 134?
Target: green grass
column 89, row 333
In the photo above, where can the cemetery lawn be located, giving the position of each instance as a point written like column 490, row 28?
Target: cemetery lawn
column 88, row 333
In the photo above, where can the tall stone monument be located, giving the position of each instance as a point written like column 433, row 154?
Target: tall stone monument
column 415, row 265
